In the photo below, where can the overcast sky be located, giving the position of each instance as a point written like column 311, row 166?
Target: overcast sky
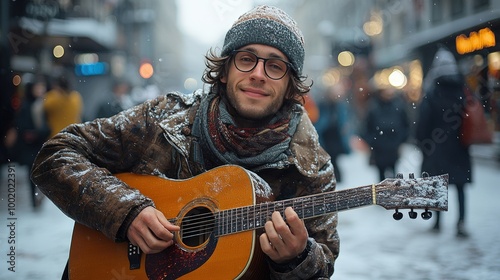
column 208, row 21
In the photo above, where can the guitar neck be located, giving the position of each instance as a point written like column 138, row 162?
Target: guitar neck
column 254, row 217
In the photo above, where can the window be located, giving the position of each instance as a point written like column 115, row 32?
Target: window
column 480, row 5
column 457, row 8
column 437, row 11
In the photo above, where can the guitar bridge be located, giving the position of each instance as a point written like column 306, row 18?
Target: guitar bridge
column 134, row 256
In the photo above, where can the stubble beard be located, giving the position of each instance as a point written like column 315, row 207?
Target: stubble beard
column 251, row 112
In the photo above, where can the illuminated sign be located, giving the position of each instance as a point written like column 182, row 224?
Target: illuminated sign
column 485, row 38
column 91, row 69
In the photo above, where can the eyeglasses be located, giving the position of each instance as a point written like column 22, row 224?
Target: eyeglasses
column 246, row 61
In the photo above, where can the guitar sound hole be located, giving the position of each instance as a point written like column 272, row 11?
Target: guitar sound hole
column 197, row 226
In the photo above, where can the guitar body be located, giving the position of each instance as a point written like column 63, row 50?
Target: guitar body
column 234, row 256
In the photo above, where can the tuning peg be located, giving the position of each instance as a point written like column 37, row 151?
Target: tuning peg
column 412, row 176
column 399, row 175
column 398, row 215
column 412, row 214
column 426, row 215
column 425, row 174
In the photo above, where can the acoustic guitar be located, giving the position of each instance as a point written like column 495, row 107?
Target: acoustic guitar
column 221, row 213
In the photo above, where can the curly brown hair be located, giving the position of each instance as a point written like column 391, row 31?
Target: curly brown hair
column 218, row 67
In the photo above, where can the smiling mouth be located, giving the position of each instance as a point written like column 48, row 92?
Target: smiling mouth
column 254, row 92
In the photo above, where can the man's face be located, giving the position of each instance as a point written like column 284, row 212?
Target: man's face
column 253, row 96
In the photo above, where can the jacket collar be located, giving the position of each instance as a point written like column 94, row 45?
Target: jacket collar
column 305, row 152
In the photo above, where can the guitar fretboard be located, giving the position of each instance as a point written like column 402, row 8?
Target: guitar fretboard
column 253, row 217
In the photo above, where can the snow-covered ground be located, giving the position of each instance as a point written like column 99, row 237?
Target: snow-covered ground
column 373, row 245
column 41, row 237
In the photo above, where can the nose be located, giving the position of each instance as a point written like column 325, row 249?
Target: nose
column 259, row 72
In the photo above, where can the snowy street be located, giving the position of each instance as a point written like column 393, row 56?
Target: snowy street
column 373, row 244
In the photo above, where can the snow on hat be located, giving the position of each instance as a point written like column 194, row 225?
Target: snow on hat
column 268, row 26
column 443, row 64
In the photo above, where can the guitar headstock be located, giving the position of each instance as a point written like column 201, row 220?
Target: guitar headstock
column 428, row 192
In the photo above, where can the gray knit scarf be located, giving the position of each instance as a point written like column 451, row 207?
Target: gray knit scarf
column 221, row 142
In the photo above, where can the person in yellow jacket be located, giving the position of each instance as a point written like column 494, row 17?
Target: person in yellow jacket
column 63, row 106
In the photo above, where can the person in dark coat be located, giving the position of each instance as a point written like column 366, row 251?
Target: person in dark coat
column 438, row 129
column 121, row 100
column 333, row 126
column 32, row 131
column 386, row 129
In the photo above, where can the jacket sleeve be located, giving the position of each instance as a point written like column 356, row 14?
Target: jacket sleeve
column 75, row 170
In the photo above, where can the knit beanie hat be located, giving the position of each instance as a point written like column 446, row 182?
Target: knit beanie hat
column 268, row 26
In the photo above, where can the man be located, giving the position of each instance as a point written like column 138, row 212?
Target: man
column 386, row 128
column 438, row 130
column 120, row 100
column 62, row 105
column 251, row 117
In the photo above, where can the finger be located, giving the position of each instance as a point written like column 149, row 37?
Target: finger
column 166, row 223
column 161, row 227
column 133, row 238
column 278, row 228
column 296, row 235
column 273, row 235
column 296, row 225
column 155, row 242
column 169, row 226
column 137, row 240
column 292, row 233
column 147, row 241
column 267, row 247
column 146, row 228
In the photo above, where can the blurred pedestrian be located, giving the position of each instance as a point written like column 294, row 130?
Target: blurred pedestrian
column 120, row 101
column 484, row 89
column 32, row 130
column 386, row 128
column 63, row 106
column 311, row 108
column 333, row 125
column 438, row 129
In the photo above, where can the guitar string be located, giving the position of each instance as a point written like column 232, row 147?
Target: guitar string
column 235, row 221
column 301, row 199
column 197, row 224
column 229, row 225
column 292, row 201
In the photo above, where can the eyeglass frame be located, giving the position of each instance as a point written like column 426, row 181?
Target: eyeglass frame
column 288, row 64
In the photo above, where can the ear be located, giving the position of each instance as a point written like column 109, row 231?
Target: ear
column 223, row 79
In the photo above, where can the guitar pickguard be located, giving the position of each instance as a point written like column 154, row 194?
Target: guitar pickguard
column 175, row 262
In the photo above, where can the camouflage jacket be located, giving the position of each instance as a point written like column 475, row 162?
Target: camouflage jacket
column 75, row 170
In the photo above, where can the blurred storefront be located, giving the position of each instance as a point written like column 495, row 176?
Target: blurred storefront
column 477, row 50
column 91, row 42
column 405, row 36
column 51, row 38
column 370, row 44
